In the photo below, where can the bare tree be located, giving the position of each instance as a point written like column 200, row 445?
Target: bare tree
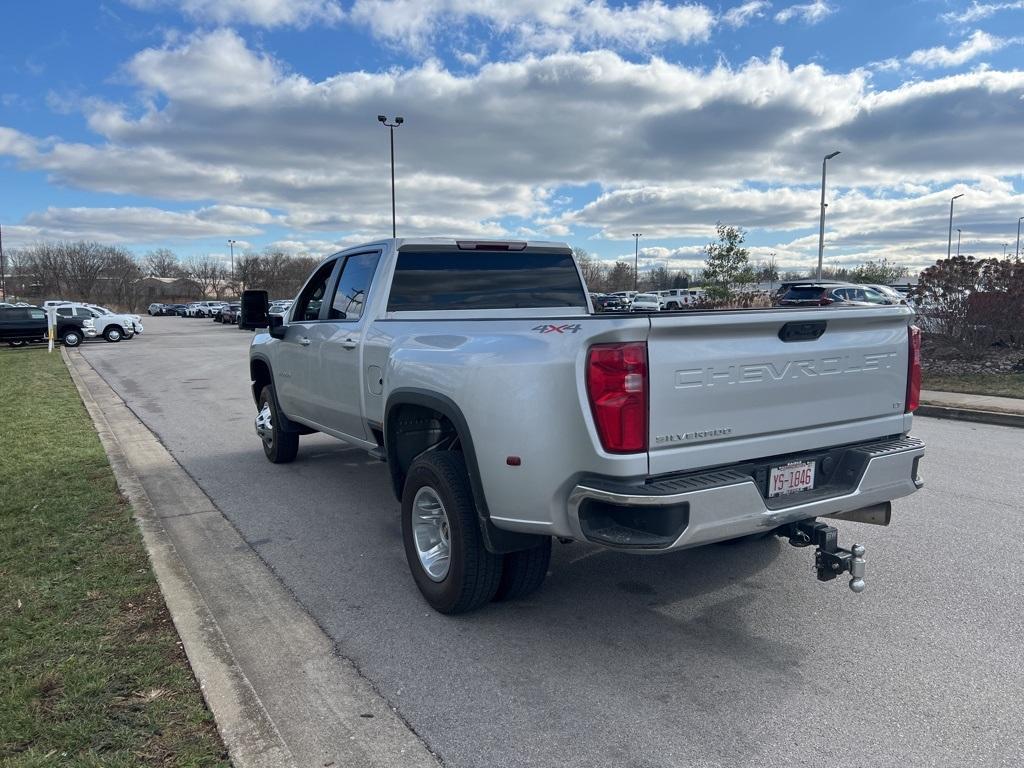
column 162, row 262
column 206, row 272
column 593, row 271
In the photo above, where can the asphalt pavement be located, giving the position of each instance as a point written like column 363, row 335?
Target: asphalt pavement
column 730, row 655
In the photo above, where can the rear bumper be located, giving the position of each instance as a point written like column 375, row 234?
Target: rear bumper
column 694, row 509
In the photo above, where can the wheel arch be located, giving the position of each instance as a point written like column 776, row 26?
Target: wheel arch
column 409, row 431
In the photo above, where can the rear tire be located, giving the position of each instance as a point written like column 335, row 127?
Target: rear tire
column 522, row 573
column 280, row 446
column 439, row 522
column 71, row 339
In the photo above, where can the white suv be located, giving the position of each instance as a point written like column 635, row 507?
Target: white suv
column 204, row 308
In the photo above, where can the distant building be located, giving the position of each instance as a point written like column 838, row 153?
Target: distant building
column 168, row 289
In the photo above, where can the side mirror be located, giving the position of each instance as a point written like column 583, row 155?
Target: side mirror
column 276, row 326
column 255, row 310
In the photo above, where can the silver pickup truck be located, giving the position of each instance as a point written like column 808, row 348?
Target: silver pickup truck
column 509, row 413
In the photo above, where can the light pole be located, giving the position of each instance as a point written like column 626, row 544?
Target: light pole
column 949, row 245
column 636, row 260
column 3, row 268
column 821, row 224
column 398, row 121
column 1005, row 246
column 231, row 244
column 1018, row 235
column 958, row 241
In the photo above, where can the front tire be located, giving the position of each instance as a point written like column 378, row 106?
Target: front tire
column 453, row 570
column 113, row 334
column 279, row 445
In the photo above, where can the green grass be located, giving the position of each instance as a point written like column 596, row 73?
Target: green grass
column 91, row 669
column 1002, row 384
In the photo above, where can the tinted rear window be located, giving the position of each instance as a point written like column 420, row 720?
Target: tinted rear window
column 803, row 294
column 484, row 280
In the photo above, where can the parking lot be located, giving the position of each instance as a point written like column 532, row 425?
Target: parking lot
column 727, row 655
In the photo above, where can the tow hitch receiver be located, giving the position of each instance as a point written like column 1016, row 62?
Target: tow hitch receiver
column 830, row 559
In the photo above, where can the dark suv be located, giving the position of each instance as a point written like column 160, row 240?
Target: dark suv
column 24, row 325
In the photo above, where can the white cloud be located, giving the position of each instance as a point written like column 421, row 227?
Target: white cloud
column 979, row 11
column 261, row 13
column 674, row 148
column 135, row 225
column 809, row 13
column 741, row 15
column 537, row 24
column 977, row 44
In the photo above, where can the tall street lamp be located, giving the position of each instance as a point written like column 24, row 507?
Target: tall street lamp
column 3, row 268
column 636, row 259
column 398, row 121
column 1018, row 235
column 821, row 224
column 231, row 244
column 949, row 245
column 1005, row 246
column 958, row 241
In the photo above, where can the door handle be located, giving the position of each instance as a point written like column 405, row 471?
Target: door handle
column 350, row 343
column 304, row 341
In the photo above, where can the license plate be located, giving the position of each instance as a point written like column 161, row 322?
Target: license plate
column 791, row 478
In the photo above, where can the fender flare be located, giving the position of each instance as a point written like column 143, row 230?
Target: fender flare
column 495, row 539
column 288, row 425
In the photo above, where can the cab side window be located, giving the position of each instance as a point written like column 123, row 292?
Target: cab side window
column 83, row 312
column 65, row 311
column 307, row 308
column 353, row 286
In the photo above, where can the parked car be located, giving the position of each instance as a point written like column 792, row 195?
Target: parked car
column 26, row 325
column 280, row 306
column 178, row 310
column 203, row 308
column 610, row 303
column 645, row 302
column 680, row 298
column 136, row 320
column 111, row 327
column 508, row 417
column 892, row 293
column 229, row 313
column 156, row 309
column 815, row 294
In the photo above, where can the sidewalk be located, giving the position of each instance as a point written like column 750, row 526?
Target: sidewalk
column 987, row 409
column 282, row 694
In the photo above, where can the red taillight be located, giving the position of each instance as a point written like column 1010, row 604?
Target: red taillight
column 914, row 369
column 617, row 386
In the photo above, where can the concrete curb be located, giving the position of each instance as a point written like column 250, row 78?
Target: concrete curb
column 968, row 414
column 279, row 691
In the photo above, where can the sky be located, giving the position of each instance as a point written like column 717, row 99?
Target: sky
column 183, row 124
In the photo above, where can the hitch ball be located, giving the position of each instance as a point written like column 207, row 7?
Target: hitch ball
column 857, row 568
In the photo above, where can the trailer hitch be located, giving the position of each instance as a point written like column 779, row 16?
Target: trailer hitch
column 830, row 560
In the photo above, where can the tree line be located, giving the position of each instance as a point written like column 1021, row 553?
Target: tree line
column 111, row 275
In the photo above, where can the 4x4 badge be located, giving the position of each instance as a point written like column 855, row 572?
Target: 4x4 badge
column 557, row 328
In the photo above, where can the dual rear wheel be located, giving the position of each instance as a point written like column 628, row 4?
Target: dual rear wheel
column 453, row 569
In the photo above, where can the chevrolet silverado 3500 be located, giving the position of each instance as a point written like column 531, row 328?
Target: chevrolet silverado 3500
column 509, row 413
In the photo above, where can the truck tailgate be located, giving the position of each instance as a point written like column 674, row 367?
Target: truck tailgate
column 726, row 387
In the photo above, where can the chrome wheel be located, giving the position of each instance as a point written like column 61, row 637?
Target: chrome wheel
column 265, row 425
column 431, row 533
column 113, row 335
